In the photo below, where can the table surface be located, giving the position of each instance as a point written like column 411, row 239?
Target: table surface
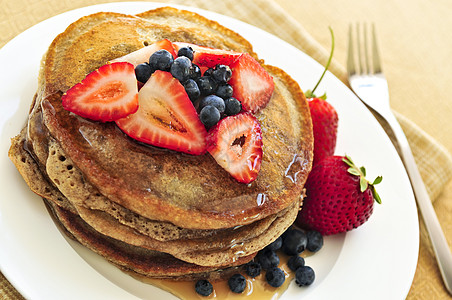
column 416, row 51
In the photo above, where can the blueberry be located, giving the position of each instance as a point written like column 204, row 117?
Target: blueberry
column 143, row 72
column 203, row 287
column 207, row 86
column 195, row 72
column 180, row 69
column 208, row 72
column 209, row 116
column 295, row 262
column 315, row 241
column 267, row 259
column 186, row 51
column 222, row 73
column 224, row 91
column 304, row 276
column 275, row 277
column 253, row 269
column 276, row 245
column 161, row 60
column 192, row 89
column 237, row 283
column 294, row 242
column 214, row 101
column 232, row 106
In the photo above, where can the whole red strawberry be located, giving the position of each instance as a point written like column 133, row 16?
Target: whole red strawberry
column 338, row 197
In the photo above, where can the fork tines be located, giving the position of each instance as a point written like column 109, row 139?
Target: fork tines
column 361, row 64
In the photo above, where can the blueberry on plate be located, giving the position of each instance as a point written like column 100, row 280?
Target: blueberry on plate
column 192, row 90
column 294, row 242
column 209, row 116
column 232, row 106
column 295, row 262
column 203, row 287
column 304, row 276
column 276, row 244
column 214, row 101
column 275, row 277
column 186, row 51
column 315, row 241
column 207, row 86
column 161, row 60
column 224, row 91
column 267, row 258
column 222, row 73
column 143, row 72
column 180, row 69
column 237, row 283
column 253, row 269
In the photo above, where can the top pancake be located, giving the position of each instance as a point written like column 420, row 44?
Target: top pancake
column 188, row 191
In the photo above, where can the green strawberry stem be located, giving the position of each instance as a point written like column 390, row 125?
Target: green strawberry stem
column 309, row 93
column 363, row 182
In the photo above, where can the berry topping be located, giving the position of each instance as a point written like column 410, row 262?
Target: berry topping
column 142, row 55
column 315, row 240
column 221, row 73
column 224, row 91
column 252, row 85
column 236, row 144
column 195, row 72
column 166, row 117
column 275, row 277
column 209, row 57
column 237, row 283
column 143, row 72
column 161, row 60
column 338, row 197
column 181, row 68
column 294, row 242
column 203, row 287
column 209, row 116
column 276, row 245
column 304, row 276
column 267, row 258
column 232, row 106
column 186, row 51
column 191, row 87
column 207, row 86
column 295, row 262
column 253, row 269
column 214, row 101
column 106, row 94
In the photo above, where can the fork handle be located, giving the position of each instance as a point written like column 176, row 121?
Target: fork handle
column 437, row 238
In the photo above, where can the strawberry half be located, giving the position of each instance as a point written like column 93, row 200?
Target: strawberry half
column 106, row 94
column 166, row 117
column 338, row 197
column 252, row 84
column 142, row 55
column 209, row 57
column 236, row 144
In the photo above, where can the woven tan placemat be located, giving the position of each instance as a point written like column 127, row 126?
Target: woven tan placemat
column 434, row 161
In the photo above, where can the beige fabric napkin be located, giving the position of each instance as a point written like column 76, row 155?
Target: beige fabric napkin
column 435, row 163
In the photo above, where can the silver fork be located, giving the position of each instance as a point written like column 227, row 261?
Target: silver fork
column 369, row 83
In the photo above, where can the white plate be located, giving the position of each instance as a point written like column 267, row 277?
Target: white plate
column 375, row 261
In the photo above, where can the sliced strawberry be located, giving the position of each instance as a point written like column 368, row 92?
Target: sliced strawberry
column 236, row 144
column 209, row 57
column 106, row 94
column 252, row 84
column 166, row 117
column 142, row 55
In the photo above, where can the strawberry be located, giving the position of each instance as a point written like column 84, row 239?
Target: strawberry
column 235, row 142
column 338, row 197
column 106, row 94
column 166, row 117
column 324, row 125
column 142, row 55
column 209, row 57
column 252, row 85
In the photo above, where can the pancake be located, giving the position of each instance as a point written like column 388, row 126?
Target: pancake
column 128, row 201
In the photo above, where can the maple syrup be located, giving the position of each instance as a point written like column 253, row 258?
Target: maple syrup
column 256, row 288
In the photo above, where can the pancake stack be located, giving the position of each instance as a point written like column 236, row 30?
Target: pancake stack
column 155, row 212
